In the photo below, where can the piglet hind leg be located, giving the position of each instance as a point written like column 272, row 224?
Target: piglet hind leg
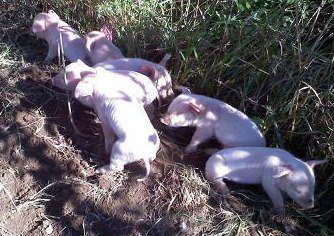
column 109, row 137
column 148, row 168
column 200, row 136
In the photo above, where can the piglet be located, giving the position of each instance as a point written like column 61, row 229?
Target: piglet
column 276, row 169
column 156, row 72
column 121, row 116
column 132, row 83
column 74, row 73
column 212, row 118
column 99, row 48
column 49, row 27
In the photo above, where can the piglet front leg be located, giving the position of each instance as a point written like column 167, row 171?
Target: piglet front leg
column 221, row 185
column 274, row 193
column 52, row 53
column 200, row 136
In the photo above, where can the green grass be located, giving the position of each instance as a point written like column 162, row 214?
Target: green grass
column 271, row 59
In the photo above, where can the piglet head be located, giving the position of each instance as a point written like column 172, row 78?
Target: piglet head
column 42, row 22
column 92, row 38
column 183, row 112
column 84, row 91
column 298, row 182
column 161, row 79
column 74, row 73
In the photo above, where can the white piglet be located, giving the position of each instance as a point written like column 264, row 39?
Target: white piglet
column 74, row 73
column 99, row 48
column 276, row 169
column 122, row 116
column 212, row 118
column 156, row 72
column 49, row 27
column 132, row 83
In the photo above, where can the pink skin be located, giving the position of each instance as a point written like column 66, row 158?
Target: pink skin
column 156, row 72
column 133, row 83
column 74, row 72
column 49, row 27
column 123, row 117
column 276, row 169
column 100, row 48
column 213, row 118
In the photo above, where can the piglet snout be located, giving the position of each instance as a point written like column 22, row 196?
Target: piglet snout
column 165, row 120
column 309, row 204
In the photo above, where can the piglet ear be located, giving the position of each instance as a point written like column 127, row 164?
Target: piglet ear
column 165, row 59
column 52, row 12
column 183, row 89
column 107, row 32
column 84, row 89
column 150, row 71
column 314, row 163
column 283, row 170
column 38, row 27
column 194, row 107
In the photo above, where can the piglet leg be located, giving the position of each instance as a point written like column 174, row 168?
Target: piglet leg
column 221, row 185
column 103, row 170
column 52, row 53
column 274, row 194
column 200, row 136
column 109, row 138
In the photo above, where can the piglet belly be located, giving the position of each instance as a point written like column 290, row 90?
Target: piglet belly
column 245, row 176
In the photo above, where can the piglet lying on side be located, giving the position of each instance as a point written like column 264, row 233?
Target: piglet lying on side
column 211, row 118
column 49, row 26
column 99, row 48
column 132, row 83
column 120, row 114
column 156, row 72
column 276, row 169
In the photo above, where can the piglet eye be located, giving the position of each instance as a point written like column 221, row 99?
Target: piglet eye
column 298, row 191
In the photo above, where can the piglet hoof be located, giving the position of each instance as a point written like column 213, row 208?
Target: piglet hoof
column 289, row 228
column 103, row 170
column 279, row 211
column 104, row 183
column 142, row 179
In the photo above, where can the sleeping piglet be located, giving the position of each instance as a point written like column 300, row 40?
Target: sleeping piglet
column 121, row 115
column 133, row 83
column 99, row 48
column 49, row 26
column 276, row 169
column 156, row 72
column 212, row 118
